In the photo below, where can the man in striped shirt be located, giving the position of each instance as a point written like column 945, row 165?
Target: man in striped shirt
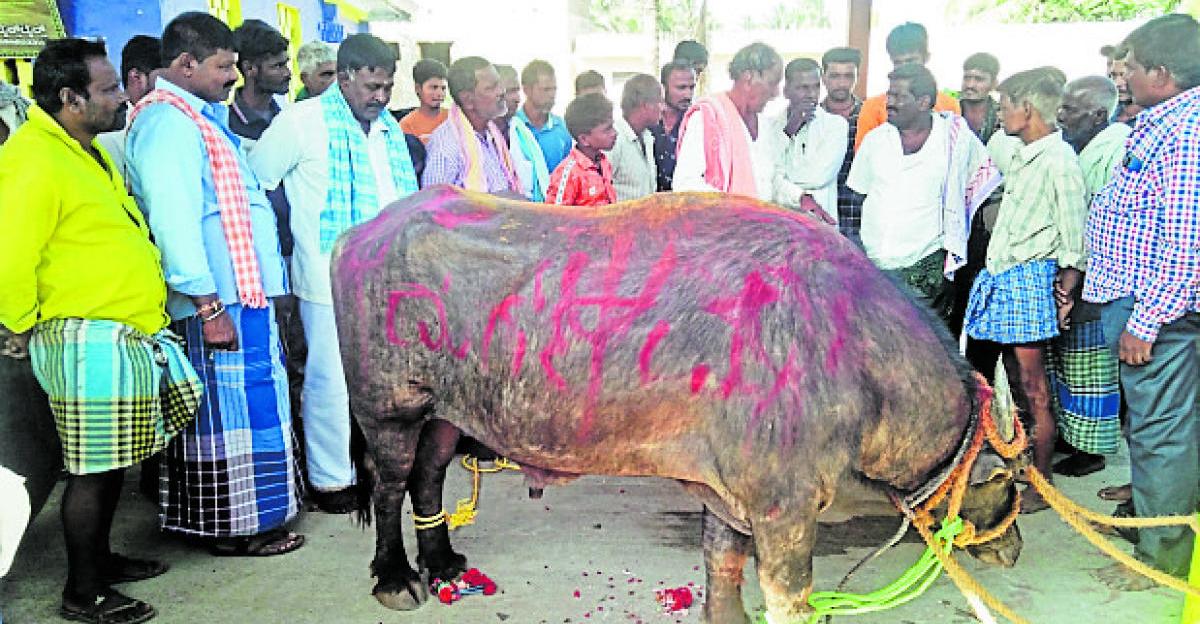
column 1143, row 236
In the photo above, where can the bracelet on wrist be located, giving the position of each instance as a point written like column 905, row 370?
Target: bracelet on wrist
column 217, row 310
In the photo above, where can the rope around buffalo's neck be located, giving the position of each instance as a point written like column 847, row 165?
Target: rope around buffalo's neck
column 951, row 481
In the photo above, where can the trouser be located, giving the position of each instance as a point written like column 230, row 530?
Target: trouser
column 1164, row 431
column 325, row 403
column 929, row 284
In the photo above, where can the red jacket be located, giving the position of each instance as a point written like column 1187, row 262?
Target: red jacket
column 577, row 181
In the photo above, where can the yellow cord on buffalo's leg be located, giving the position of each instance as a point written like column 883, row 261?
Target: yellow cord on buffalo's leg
column 465, row 509
column 422, row 523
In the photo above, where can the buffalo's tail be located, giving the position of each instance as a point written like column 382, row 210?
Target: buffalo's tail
column 365, row 473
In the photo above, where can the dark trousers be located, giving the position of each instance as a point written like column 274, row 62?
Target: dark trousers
column 928, row 284
column 1163, row 398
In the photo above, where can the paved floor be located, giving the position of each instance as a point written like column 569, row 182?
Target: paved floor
column 591, row 551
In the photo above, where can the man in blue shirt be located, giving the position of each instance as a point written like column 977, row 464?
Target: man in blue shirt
column 537, row 79
column 232, row 472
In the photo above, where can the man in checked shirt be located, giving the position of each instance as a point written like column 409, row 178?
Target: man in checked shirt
column 1143, row 235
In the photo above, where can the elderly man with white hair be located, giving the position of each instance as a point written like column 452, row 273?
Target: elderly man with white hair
column 723, row 143
column 1083, row 373
column 317, row 62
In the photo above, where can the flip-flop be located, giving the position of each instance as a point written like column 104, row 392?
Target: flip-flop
column 109, row 607
column 122, row 569
column 269, row 544
column 1116, row 493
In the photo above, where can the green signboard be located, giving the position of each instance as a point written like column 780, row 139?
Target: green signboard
column 26, row 25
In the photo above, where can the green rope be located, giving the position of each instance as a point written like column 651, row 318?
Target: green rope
column 910, row 585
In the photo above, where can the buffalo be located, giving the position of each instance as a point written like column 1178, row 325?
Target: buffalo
column 751, row 353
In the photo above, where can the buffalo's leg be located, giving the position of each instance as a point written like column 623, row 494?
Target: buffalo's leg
column 725, row 554
column 783, row 545
column 390, row 447
column 434, row 452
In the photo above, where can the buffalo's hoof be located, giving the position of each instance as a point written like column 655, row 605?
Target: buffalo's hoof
column 401, row 595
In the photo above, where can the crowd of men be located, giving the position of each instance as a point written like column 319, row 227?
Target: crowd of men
column 174, row 301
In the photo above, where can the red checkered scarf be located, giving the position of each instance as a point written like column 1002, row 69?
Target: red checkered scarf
column 231, row 197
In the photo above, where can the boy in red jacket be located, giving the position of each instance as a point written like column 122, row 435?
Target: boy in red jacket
column 585, row 177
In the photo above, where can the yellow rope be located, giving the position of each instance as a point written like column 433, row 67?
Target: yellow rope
column 1078, row 517
column 465, row 509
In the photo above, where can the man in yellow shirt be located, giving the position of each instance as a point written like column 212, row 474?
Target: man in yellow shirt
column 907, row 43
column 82, row 282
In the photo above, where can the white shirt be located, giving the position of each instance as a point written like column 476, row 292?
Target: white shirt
column 810, row 160
column 114, row 144
column 635, row 174
column 295, row 150
column 689, row 169
column 902, row 214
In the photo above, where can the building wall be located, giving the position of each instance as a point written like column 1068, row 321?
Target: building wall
column 96, row 18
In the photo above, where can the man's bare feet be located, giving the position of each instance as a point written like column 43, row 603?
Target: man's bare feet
column 1116, row 493
column 1121, row 578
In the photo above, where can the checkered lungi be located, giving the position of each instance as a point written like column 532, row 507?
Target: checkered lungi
column 1016, row 306
column 118, row 395
column 1086, row 390
column 232, row 471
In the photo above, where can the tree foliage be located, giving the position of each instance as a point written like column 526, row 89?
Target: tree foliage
column 1041, row 11
column 790, row 16
column 633, row 16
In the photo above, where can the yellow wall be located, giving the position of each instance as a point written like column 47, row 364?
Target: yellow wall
column 290, row 26
column 230, row 11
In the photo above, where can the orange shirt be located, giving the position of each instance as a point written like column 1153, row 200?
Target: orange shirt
column 874, row 113
column 421, row 125
column 577, row 181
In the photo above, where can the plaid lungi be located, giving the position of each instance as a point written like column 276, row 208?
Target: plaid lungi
column 118, row 395
column 232, row 471
column 1016, row 306
column 1085, row 387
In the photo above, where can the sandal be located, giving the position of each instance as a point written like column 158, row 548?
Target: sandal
column 1079, row 464
column 1126, row 510
column 109, row 607
column 269, row 544
column 1032, row 502
column 122, row 569
column 1116, row 493
column 341, row 501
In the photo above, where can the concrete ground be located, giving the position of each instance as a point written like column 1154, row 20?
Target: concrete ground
column 588, row 552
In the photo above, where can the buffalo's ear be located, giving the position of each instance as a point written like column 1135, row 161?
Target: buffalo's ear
column 988, row 466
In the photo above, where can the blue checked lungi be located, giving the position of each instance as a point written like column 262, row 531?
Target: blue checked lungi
column 1086, row 390
column 1015, row 307
column 118, row 395
column 233, row 471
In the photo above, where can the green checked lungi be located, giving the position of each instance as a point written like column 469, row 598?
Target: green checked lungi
column 118, row 395
column 1085, row 389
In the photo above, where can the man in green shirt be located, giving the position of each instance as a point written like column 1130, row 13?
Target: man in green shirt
column 1036, row 248
column 83, row 283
